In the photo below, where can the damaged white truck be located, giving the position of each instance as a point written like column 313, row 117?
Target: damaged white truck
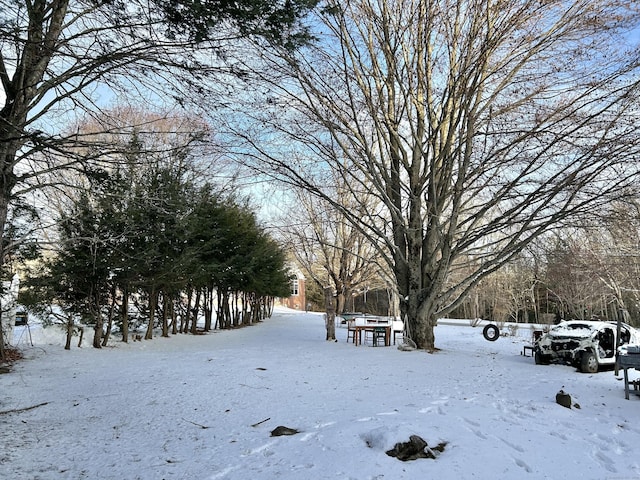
column 587, row 345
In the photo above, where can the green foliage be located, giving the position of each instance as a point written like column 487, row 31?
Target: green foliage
column 278, row 21
column 314, row 296
column 77, row 277
column 230, row 251
column 156, row 232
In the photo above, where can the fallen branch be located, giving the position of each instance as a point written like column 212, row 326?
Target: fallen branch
column 17, row 410
column 204, row 427
column 262, row 421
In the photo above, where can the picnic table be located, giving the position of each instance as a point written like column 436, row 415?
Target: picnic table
column 378, row 326
column 629, row 357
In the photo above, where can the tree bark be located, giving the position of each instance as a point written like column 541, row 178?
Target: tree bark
column 3, row 356
column 208, row 308
column 165, row 315
column 69, row 331
column 99, row 326
column 330, row 308
column 125, row 314
column 174, row 317
column 196, row 310
column 153, row 302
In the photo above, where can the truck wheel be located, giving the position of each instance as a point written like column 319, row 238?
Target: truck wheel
column 491, row 332
column 540, row 359
column 588, row 363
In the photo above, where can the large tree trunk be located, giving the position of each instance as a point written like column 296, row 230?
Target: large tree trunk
column 6, row 189
column 165, row 315
column 153, row 302
column 224, row 315
column 174, row 316
column 195, row 311
column 7, row 183
column 187, row 314
column 97, row 333
column 331, row 313
column 125, row 314
column 340, row 303
column 3, row 355
column 218, row 323
column 98, row 329
column 269, row 303
column 45, row 25
column 69, row 331
column 208, row 308
column 235, row 310
column 112, row 311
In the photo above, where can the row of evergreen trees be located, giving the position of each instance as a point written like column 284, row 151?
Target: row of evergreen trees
column 151, row 236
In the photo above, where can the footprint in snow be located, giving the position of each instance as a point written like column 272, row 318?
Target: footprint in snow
column 517, row 448
column 522, row 464
column 474, row 427
column 471, row 422
column 604, row 460
column 307, row 436
column 561, row 436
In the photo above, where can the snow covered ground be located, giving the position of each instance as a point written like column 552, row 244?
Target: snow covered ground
column 203, row 407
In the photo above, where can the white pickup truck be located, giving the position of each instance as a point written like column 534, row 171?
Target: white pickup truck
column 587, row 345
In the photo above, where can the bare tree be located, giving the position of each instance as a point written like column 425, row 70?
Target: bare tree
column 332, row 251
column 605, row 254
column 573, row 285
column 61, row 58
column 478, row 125
column 512, row 292
column 620, row 250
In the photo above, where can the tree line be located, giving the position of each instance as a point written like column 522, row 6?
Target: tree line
column 586, row 270
column 145, row 241
column 62, row 61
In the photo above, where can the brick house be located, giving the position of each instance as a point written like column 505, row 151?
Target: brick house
column 297, row 300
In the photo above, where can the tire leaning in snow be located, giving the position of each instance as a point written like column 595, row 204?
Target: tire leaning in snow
column 491, row 332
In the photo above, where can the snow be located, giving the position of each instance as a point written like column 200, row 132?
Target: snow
column 203, row 407
column 573, row 330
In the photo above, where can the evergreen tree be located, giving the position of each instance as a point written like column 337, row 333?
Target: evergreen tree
column 150, row 232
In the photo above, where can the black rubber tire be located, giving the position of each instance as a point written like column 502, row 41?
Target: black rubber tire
column 491, row 332
column 588, row 363
column 539, row 358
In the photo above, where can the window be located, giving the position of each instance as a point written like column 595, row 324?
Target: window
column 294, row 287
